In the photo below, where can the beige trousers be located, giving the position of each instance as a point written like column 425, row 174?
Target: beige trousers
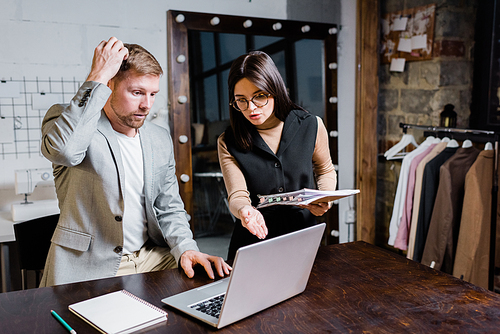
column 149, row 258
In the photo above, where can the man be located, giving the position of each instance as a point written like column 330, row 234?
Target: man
column 121, row 211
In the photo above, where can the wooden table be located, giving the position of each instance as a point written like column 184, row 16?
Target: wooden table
column 353, row 288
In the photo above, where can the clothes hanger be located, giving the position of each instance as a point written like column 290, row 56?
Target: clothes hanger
column 393, row 152
column 429, row 139
column 467, row 143
column 452, row 143
column 445, row 140
column 436, row 140
column 488, row 146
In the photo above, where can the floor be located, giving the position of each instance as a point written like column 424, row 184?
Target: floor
column 216, row 240
column 214, row 245
column 213, row 224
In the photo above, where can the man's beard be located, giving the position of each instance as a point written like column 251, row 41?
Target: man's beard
column 130, row 122
column 128, row 119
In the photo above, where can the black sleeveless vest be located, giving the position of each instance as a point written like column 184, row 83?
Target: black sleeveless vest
column 290, row 169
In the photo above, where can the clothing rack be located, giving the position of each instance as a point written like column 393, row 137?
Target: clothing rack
column 494, row 191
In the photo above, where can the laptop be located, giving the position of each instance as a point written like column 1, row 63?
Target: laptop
column 264, row 274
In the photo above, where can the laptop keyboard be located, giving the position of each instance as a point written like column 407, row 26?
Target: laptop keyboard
column 210, row 306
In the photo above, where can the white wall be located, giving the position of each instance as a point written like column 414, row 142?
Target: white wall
column 346, row 89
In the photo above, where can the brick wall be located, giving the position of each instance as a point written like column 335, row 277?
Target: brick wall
column 418, row 95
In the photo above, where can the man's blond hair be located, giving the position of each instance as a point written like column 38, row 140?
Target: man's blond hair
column 139, row 60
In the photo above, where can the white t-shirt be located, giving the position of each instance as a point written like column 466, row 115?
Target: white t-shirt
column 134, row 215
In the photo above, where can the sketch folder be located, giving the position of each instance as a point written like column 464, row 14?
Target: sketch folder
column 304, row 196
column 118, row 312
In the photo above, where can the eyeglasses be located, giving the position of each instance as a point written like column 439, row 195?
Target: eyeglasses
column 259, row 100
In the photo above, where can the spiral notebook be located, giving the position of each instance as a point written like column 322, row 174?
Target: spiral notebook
column 118, row 312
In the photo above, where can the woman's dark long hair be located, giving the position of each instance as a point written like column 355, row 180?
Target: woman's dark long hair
column 260, row 69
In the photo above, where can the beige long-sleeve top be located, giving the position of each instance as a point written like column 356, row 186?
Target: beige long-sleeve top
column 270, row 131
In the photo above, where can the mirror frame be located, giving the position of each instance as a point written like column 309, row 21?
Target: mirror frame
column 178, row 25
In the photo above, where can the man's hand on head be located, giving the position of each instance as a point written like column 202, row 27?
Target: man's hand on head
column 108, row 57
column 191, row 258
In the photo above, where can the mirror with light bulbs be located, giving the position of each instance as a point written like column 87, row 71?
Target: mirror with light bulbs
column 201, row 49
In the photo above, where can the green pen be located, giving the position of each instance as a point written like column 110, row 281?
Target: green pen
column 71, row 330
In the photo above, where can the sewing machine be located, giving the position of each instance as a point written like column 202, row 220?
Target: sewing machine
column 26, row 180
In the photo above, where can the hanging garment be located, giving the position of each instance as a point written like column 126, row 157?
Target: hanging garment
column 442, row 236
column 430, row 182
column 397, row 210
column 417, row 194
column 473, row 246
column 404, row 225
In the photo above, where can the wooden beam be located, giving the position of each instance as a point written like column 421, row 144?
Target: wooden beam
column 178, row 80
column 366, row 117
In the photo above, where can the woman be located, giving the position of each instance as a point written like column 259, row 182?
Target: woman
column 272, row 146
